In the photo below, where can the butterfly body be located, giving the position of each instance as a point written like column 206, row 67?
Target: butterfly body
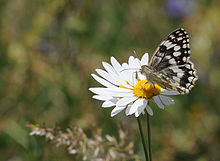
column 159, row 78
column 170, row 66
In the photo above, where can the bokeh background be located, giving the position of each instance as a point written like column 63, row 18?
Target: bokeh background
column 49, row 48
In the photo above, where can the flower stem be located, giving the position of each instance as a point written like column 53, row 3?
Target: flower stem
column 149, row 137
column 142, row 138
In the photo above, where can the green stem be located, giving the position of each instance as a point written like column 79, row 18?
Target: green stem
column 149, row 137
column 142, row 138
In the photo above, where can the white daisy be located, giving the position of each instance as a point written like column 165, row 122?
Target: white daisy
column 123, row 90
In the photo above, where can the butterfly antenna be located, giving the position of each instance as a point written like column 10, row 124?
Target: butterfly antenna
column 129, row 69
column 136, row 56
column 135, row 53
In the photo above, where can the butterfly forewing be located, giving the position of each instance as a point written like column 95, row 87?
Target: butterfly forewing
column 174, row 50
column 171, row 61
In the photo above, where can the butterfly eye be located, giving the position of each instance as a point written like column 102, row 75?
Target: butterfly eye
column 162, row 48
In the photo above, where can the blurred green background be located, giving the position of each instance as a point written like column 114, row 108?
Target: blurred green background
column 49, row 48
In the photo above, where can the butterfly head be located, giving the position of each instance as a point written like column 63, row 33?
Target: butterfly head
column 146, row 70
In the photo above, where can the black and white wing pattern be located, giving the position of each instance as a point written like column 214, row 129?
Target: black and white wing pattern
column 171, row 61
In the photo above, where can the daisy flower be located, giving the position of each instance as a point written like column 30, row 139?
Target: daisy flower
column 125, row 88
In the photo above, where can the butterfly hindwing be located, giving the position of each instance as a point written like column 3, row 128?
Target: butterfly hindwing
column 183, row 77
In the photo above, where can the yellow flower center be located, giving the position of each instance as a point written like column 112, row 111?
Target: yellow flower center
column 144, row 89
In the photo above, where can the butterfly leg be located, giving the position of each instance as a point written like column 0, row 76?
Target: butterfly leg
column 134, row 76
column 142, row 89
column 155, row 90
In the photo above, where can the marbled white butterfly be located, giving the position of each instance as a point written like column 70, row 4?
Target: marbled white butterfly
column 170, row 66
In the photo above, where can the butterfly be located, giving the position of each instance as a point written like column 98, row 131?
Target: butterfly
column 170, row 66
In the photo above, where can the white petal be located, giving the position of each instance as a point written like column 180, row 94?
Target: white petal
column 124, row 81
column 158, row 102
column 149, row 110
column 140, row 110
column 132, row 78
column 108, row 104
column 133, row 63
column 135, row 106
column 110, row 69
column 125, row 101
column 102, row 81
column 129, row 72
column 128, row 76
column 121, row 94
column 130, row 60
column 120, row 90
column 102, row 90
column 125, row 70
column 116, row 65
column 125, row 76
column 138, row 63
column 127, row 110
column 107, row 76
column 145, row 59
column 126, row 84
column 166, row 100
column 102, row 97
column 114, row 92
column 99, row 90
column 125, row 66
column 116, row 110
column 166, row 92
column 135, row 68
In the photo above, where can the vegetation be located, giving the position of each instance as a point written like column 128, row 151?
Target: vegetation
column 49, row 48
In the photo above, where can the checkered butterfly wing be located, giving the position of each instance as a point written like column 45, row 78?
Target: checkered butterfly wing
column 171, row 61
